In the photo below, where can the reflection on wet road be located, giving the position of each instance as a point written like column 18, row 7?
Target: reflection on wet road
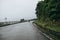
column 21, row 31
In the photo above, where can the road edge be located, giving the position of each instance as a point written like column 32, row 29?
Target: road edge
column 43, row 33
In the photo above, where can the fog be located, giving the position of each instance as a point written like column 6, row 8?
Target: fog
column 17, row 9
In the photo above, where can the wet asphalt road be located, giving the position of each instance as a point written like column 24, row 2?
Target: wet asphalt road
column 21, row 31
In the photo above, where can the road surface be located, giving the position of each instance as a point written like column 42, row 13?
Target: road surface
column 21, row 31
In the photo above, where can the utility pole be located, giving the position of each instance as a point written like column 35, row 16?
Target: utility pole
column 6, row 20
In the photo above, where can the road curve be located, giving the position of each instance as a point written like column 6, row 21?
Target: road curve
column 21, row 31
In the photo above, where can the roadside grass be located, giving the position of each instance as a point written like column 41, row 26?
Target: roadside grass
column 50, row 26
column 53, row 27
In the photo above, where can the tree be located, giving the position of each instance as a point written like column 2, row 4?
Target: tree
column 48, row 10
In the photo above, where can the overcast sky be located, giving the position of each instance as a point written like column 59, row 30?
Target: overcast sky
column 17, row 9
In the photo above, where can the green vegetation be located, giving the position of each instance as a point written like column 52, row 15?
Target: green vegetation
column 53, row 27
column 50, row 30
column 48, row 14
